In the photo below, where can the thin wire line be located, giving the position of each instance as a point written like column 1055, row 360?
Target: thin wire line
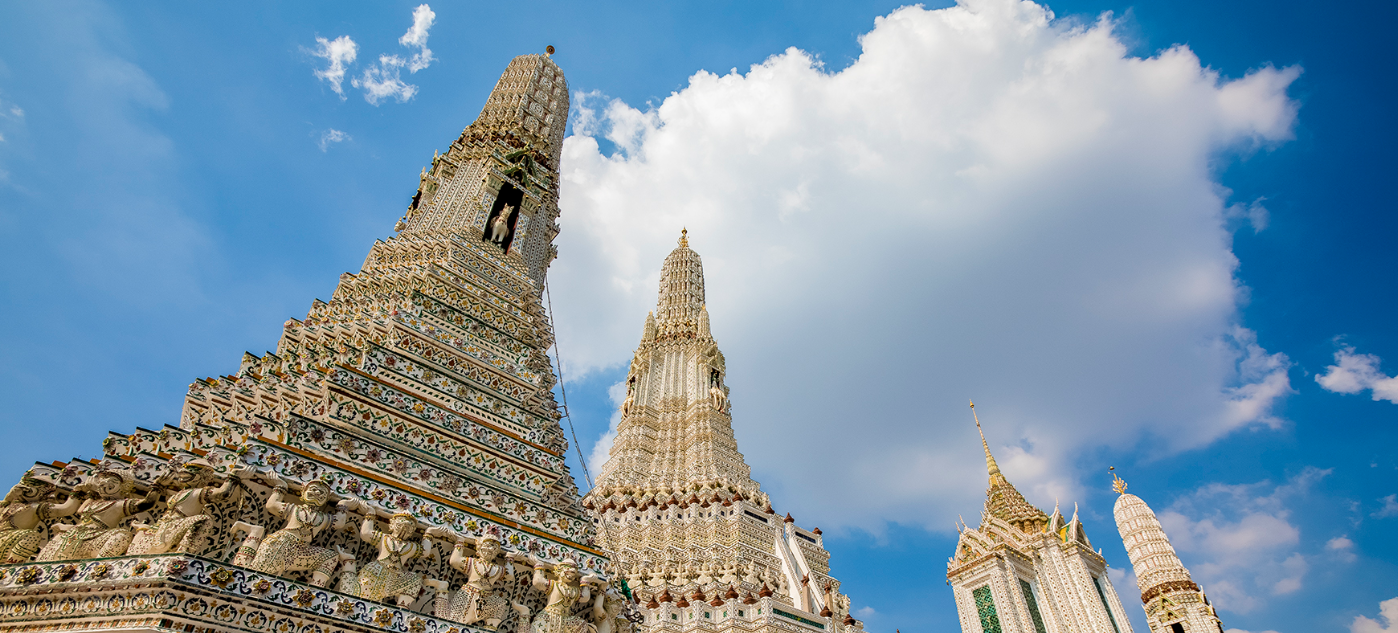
column 558, row 360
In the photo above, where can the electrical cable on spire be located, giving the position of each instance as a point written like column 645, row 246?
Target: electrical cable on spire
column 558, row 360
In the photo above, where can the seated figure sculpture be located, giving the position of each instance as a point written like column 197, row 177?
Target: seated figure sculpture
column 658, row 577
column 290, row 549
column 481, row 598
column 186, row 523
column 23, row 514
column 751, row 576
column 387, row 576
column 636, row 579
column 607, row 611
column 729, row 574
column 99, row 532
column 567, row 589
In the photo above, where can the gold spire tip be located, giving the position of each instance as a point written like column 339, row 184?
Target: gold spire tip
column 990, row 465
column 684, row 237
column 549, row 49
column 1118, row 484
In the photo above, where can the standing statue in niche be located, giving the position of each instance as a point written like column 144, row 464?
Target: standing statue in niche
column 387, row 576
column 99, row 532
column 630, row 401
column 500, row 226
column 567, row 589
column 23, row 515
column 290, row 549
column 186, row 523
column 718, row 396
column 480, row 599
column 718, row 399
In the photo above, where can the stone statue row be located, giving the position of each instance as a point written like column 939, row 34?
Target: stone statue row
column 676, row 575
column 103, row 505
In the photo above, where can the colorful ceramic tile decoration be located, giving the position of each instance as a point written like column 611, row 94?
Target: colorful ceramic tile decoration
column 396, row 463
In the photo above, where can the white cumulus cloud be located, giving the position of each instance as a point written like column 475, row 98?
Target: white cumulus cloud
column 338, row 54
column 331, row 136
column 1354, row 373
column 383, row 81
column 988, row 203
column 417, row 37
column 1343, row 547
column 1389, row 508
column 9, row 113
column 1256, row 214
column 1388, row 613
column 1239, row 542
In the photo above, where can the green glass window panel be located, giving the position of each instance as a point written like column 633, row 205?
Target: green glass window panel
column 1103, row 595
column 1033, row 606
column 985, row 607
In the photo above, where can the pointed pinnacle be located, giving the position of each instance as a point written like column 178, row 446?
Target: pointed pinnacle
column 990, row 465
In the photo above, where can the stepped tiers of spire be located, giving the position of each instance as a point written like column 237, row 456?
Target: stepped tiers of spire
column 392, row 466
column 675, row 504
column 1172, row 600
column 1024, row 571
column 499, row 180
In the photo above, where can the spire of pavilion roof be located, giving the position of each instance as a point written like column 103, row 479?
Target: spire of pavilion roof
column 990, row 465
column 1003, row 501
column 1022, row 571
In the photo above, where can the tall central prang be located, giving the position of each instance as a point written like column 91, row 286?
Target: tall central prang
column 396, row 464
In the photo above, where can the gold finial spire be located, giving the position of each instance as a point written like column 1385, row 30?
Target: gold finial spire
column 684, row 237
column 1118, row 484
column 990, row 464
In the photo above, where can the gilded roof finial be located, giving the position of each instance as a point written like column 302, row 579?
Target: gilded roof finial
column 990, row 464
column 684, row 237
column 1118, row 484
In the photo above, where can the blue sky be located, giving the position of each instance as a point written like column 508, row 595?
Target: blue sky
column 1125, row 259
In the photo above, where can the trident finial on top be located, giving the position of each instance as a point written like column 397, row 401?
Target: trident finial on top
column 684, row 237
column 990, row 464
column 1118, row 484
